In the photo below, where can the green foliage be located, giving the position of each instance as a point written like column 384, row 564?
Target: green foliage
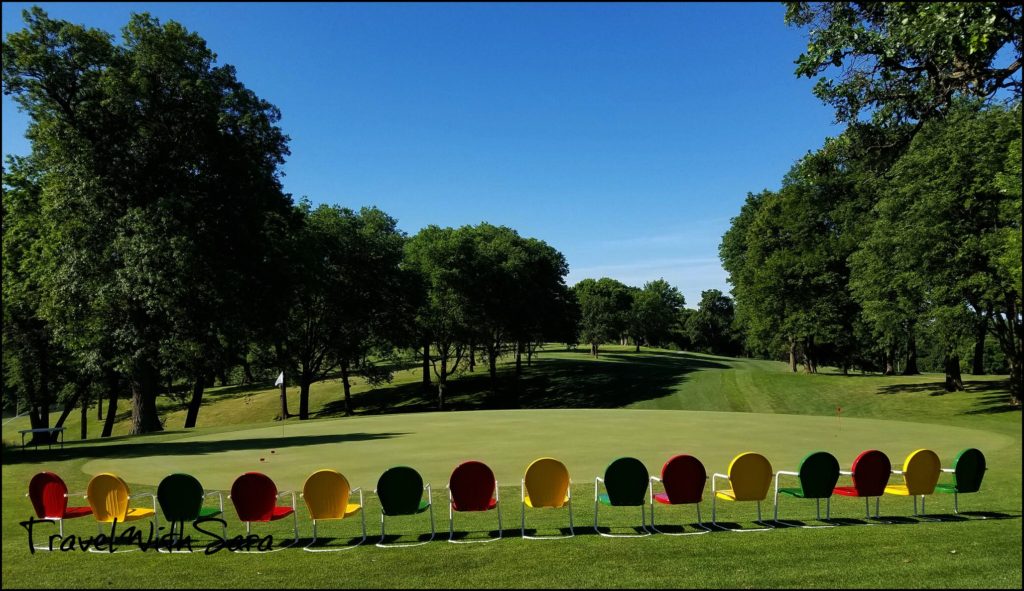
column 710, row 327
column 907, row 60
column 159, row 192
column 654, row 313
column 605, row 306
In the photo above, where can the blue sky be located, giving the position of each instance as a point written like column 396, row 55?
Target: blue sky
column 624, row 135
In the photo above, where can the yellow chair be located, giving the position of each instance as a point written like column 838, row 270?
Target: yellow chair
column 108, row 497
column 920, row 473
column 326, row 493
column 546, row 484
column 750, row 476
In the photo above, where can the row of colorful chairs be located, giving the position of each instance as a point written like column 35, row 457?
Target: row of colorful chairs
column 546, row 484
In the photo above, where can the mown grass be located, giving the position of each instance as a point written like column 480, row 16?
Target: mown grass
column 760, row 406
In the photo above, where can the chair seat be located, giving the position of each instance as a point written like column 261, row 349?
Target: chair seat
column 490, row 505
column 606, row 501
column 350, row 510
column 131, row 515
column 208, row 512
column 72, row 512
column 946, row 488
column 530, row 503
column 897, row 489
column 424, row 505
column 728, row 495
column 279, row 513
column 846, row 491
column 794, row 492
column 664, row 500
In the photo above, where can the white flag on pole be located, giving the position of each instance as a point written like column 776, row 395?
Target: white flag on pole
column 280, row 379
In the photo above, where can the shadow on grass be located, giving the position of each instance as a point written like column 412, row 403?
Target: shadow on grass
column 175, row 448
column 992, row 397
column 611, row 381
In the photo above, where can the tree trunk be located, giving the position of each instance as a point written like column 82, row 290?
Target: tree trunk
column 247, row 371
column 304, row 383
column 472, row 356
column 348, row 388
column 69, row 406
column 637, row 341
column 911, row 368
column 197, row 400
column 99, row 408
column 113, row 383
column 284, row 400
column 442, row 381
column 978, row 362
column 593, row 349
column 954, row 382
column 529, row 354
column 492, row 363
column 792, row 355
column 145, row 383
column 519, row 358
column 890, row 354
column 426, row 365
column 85, row 419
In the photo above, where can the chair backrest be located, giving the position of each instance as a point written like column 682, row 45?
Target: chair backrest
column 871, row 471
column 472, row 486
column 46, row 490
column 108, row 497
column 968, row 470
column 750, row 475
column 626, row 480
column 254, row 496
column 819, row 473
column 684, row 478
column 921, row 471
column 547, row 482
column 326, row 494
column 180, row 496
column 399, row 490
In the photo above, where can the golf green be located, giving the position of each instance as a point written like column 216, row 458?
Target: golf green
column 585, row 440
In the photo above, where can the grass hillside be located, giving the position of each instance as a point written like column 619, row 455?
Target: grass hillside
column 584, row 411
column 619, row 378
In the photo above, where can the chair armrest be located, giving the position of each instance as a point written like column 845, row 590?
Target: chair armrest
column 783, row 473
column 497, row 492
column 655, row 479
column 714, row 480
column 220, row 497
column 597, row 479
column 949, row 470
column 288, row 492
column 140, row 495
column 430, row 499
column 522, row 491
column 845, row 473
column 569, row 491
column 900, row 472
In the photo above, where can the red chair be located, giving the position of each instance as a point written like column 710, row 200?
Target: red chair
column 684, row 479
column 472, row 487
column 49, row 496
column 870, row 473
column 254, row 496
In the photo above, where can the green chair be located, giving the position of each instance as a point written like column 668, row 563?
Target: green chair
column 818, row 475
column 968, row 470
column 181, row 498
column 400, row 492
column 626, row 480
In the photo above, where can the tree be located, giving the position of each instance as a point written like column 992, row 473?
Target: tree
column 159, row 172
column 604, row 310
column 443, row 260
column 345, row 295
column 711, row 327
column 654, row 313
column 907, row 60
column 946, row 211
